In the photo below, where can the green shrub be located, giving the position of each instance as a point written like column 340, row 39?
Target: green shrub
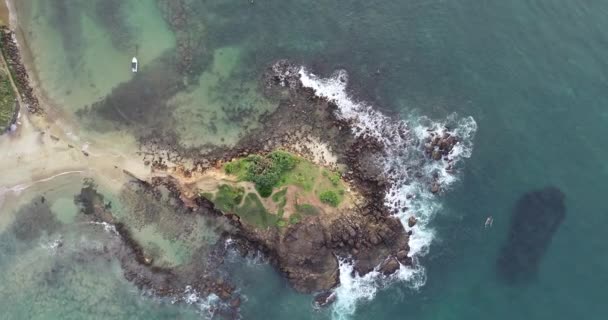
column 334, row 178
column 7, row 101
column 330, row 198
column 265, row 171
column 295, row 218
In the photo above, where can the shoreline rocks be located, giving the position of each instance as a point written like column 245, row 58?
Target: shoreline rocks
column 12, row 55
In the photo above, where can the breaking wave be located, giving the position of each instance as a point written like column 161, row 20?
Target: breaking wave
column 207, row 306
column 411, row 173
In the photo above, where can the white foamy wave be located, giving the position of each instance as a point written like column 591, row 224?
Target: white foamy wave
column 206, row 305
column 110, row 228
column 53, row 245
column 353, row 289
column 410, row 171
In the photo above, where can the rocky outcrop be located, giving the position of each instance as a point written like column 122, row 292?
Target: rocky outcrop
column 307, row 253
column 324, row 298
column 12, row 55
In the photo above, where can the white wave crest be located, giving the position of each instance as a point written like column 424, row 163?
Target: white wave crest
column 410, row 172
column 207, row 305
column 110, row 228
column 52, row 245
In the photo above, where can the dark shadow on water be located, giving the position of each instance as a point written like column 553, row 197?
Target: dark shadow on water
column 142, row 101
column 34, row 219
column 113, row 15
column 66, row 18
column 536, row 218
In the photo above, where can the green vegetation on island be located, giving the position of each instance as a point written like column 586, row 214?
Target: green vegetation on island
column 330, row 197
column 228, row 197
column 273, row 175
column 266, row 171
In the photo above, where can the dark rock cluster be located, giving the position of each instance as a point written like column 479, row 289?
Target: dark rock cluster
column 439, row 146
column 201, row 278
column 183, row 19
column 12, row 55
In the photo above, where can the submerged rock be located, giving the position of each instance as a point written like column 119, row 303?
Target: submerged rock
column 536, row 217
column 325, row 298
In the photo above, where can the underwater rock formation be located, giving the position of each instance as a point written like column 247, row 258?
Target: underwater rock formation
column 536, row 218
column 33, row 220
column 199, row 277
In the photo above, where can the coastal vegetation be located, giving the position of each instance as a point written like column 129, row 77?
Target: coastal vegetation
column 329, row 197
column 280, row 168
column 7, row 101
column 228, row 197
column 265, row 171
column 277, row 189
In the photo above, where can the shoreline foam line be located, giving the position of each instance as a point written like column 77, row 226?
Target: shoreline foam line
column 410, row 173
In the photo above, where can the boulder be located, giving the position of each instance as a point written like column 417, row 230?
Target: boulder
column 411, row 221
column 435, row 187
column 389, row 266
column 324, row 298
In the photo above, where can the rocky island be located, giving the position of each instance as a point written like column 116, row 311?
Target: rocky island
column 307, row 189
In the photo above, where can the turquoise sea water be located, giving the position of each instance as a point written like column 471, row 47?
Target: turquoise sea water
column 533, row 74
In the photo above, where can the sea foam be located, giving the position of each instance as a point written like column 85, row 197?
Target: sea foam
column 410, row 172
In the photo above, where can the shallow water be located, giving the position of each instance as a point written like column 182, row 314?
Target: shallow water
column 531, row 73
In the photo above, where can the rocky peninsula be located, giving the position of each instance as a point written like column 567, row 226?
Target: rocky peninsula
column 301, row 189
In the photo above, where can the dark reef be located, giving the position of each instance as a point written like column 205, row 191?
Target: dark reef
column 12, row 55
column 536, row 218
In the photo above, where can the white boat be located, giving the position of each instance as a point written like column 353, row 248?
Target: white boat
column 134, row 64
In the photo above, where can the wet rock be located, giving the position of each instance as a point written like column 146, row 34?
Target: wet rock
column 235, row 303
column 435, row 187
column 436, row 155
column 389, row 266
column 224, row 294
column 401, row 255
column 411, row 221
column 325, row 298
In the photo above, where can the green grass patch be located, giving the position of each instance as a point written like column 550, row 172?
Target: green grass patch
column 330, row 197
column 253, row 212
column 228, row 198
column 303, row 175
column 265, row 171
column 280, row 196
column 7, row 101
column 307, row 209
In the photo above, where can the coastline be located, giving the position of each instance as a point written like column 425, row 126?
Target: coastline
column 369, row 238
